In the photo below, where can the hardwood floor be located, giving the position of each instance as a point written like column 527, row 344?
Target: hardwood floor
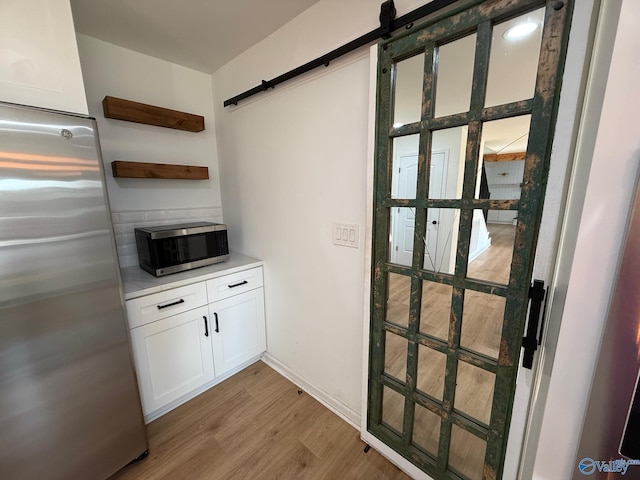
column 481, row 330
column 256, row 426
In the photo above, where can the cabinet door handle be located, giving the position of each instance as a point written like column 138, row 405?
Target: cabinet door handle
column 206, row 327
column 160, row 307
column 244, row 282
column 215, row 315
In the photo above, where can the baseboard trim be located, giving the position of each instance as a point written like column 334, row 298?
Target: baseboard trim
column 475, row 254
column 394, row 457
column 336, row 406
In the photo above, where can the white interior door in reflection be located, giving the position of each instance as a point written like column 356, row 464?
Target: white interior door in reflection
column 404, row 224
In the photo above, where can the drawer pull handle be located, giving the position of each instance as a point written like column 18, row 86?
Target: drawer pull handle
column 206, row 327
column 215, row 315
column 160, row 307
column 244, row 282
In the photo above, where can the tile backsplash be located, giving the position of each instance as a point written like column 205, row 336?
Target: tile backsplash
column 125, row 222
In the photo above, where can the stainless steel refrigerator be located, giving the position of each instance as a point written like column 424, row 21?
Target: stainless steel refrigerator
column 69, row 403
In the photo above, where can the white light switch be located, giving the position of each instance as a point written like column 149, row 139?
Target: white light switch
column 346, row 234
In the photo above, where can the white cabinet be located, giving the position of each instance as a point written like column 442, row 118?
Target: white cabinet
column 239, row 330
column 39, row 61
column 188, row 338
column 173, row 357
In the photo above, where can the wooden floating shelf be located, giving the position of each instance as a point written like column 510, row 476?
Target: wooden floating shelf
column 158, row 170
column 130, row 111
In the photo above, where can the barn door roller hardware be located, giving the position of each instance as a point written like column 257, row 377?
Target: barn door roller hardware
column 388, row 24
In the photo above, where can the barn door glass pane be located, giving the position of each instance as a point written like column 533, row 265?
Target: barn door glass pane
column 398, row 296
column 482, row 321
column 431, row 371
column 441, row 239
column 466, row 454
column 446, row 163
column 515, row 49
column 408, row 91
column 392, row 409
column 435, row 310
column 403, row 220
column 492, row 251
column 455, row 73
column 426, row 430
column 474, row 392
column 504, row 146
column 405, row 166
column 395, row 356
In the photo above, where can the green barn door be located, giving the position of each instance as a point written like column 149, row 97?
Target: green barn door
column 465, row 115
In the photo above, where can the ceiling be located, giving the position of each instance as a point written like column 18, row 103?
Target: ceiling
column 200, row 34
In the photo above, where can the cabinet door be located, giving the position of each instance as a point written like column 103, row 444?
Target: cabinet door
column 173, row 357
column 39, row 61
column 238, row 329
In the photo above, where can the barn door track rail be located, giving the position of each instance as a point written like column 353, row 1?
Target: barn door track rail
column 388, row 24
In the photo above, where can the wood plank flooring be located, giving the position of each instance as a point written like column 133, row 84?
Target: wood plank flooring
column 256, row 426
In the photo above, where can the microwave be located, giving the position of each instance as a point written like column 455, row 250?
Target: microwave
column 174, row 248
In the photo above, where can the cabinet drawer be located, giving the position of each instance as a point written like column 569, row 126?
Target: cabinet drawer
column 229, row 285
column 153, row 307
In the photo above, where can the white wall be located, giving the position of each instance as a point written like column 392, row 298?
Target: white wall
column 39, row 63
column 293, row 162
column 613, row 161
column 118, row 72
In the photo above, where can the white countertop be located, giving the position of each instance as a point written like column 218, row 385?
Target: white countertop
column 137, row 283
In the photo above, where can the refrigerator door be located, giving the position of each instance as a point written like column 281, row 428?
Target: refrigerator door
column 69, row 404
column 610, row 442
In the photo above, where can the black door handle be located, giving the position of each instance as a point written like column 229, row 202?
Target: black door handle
column 435, row 222
column 244, row 282
column 206, row 327
column 215, row 315
column 160, row 307
column 530, row 342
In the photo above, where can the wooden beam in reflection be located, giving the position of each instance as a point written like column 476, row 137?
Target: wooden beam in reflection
column 504, row 157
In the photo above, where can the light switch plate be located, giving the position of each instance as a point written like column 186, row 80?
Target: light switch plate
column 346, row 234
